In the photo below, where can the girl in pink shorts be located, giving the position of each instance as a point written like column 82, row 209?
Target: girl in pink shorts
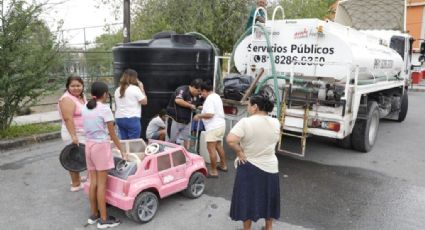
column 98, row 124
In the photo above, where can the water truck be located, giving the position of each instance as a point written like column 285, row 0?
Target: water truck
column 326, row 79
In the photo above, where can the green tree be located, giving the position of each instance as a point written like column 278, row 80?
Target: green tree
column 295, row 9
column 99, row 59
column 27, row 53
column 222, row 21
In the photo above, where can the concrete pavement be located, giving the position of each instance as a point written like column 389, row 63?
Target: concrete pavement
column 35, row 190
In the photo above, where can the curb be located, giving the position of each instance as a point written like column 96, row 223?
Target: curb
column 417, row 90
column 23, row 141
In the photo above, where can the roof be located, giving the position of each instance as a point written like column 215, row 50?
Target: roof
column 371, row 14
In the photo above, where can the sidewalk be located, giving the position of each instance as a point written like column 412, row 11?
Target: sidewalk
column 52, row 116
column 45, row 117
column 418, row 87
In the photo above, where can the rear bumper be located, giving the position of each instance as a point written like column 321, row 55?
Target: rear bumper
column 294, row 122
column 120, row 201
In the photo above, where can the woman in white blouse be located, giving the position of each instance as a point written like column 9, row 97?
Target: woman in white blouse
column 256, row 191
column 129, row 98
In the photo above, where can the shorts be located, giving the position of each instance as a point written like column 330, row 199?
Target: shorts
column 99, row 156
column 179, row 132
column 129, row 127
column 215, row 134
column 154, row 135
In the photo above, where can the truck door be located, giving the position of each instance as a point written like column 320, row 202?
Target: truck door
column 402, row 45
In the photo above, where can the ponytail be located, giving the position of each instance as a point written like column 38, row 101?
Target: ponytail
column 92, row 104
column 98, row 90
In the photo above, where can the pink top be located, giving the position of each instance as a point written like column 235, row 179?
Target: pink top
column 78, row 119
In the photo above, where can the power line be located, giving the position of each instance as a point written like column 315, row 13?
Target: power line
column 90, row 27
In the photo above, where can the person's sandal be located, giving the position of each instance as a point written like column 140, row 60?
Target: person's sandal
column 76, row 188
column 222, row 169
column 212, row 176
column 82, row 179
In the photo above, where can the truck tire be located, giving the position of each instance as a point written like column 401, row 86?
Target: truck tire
column 403, row 107
column 365, row 130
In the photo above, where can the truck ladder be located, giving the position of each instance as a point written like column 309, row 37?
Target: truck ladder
column 304, row 134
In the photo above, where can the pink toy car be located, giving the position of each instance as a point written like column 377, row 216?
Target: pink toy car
column 152, row 172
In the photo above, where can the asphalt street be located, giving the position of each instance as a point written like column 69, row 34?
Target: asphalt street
column 332, row 188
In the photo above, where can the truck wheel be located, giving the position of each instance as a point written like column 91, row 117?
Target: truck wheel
column 144, row 208
column 196, row 186
column 365, row 130
column 403, row 107
column 344, row 143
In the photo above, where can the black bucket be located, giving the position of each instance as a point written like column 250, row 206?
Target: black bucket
column 73, row 158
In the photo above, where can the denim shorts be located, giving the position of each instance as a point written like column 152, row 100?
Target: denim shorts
column 130, row 128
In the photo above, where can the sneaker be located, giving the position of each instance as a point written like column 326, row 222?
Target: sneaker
column 93, row 219
column 108, row 223
column 76, row 188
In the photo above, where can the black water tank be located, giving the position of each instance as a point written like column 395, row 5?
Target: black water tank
column 164, row 63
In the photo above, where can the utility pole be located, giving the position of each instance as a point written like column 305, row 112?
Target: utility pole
column 126, row 28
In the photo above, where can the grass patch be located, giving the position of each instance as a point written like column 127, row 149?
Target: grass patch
column 16, row 131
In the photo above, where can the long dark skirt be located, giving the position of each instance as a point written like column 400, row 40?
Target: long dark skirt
column 256, row 194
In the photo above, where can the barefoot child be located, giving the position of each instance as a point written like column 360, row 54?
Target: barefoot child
column 98, row 122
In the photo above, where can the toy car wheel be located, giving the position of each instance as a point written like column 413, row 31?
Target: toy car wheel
column 196, row 186
column 144, row 208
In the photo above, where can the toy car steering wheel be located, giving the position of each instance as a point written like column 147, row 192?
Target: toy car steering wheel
column 152, row 149
column 122, row 164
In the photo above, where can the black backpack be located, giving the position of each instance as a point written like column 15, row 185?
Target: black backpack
column 235, row 86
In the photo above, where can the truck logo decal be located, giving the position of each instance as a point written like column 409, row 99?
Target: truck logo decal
column 383, row 64
column 301, row 34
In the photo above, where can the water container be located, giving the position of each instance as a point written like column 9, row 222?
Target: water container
column 164, row 63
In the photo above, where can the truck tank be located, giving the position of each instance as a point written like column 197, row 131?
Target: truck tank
column 314, row 48
column 164, row 63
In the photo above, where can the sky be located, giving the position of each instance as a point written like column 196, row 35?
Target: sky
column 78, row 14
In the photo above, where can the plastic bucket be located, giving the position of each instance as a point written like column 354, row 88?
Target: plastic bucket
column 416, row 77
column 73, row 158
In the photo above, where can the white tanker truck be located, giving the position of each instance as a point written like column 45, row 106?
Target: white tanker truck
column 326, row 79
